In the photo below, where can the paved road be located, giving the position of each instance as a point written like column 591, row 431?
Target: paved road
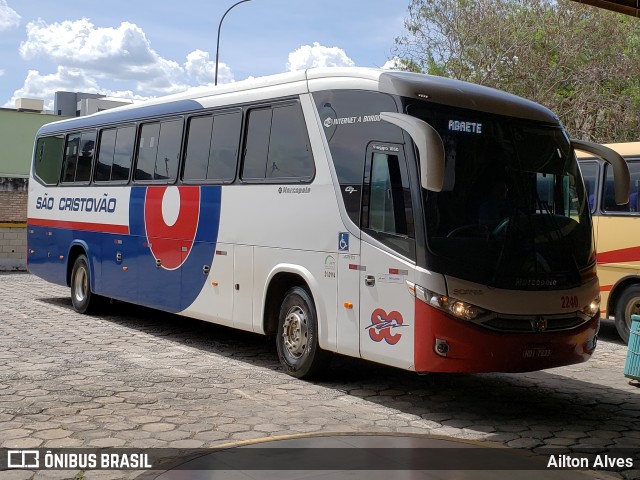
column 134, row 377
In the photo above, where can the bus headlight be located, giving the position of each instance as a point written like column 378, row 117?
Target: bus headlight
column 593, row 307
column 450, row 305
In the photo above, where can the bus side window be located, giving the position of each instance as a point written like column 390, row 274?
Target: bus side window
column 85, row 157
column 70, row 161
column 114, row 155
column 212, row 147
column 277, row 145
column 48, row 158
column 159, row 150
column 609, row 203
column 589, row 172
column 634, row 172
column 78, row 157
column 289, row 150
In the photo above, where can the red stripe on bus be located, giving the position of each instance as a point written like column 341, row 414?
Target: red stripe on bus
column 619, row 256
column 606, row 288
column 86, row 226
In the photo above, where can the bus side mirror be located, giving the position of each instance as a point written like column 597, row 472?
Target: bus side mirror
column 621, row 178
column 430, row 148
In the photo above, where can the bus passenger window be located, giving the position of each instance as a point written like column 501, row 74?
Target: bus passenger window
column 147, row 151
column 85, row 157
column 289, row 152
column 123, row 153
column 608, row 200
column 223, row 157
column 105, row 155
column 114, row 155
column 71, row 158
column 212, row 147
column 198, row 148
column 49, row 153
column 159, row 151
column 277, row 145
column 257, row 146
column 589, row 172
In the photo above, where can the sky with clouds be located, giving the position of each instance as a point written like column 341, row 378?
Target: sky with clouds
column 145, row 48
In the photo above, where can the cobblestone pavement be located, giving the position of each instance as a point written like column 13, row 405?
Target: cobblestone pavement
column 134, row 377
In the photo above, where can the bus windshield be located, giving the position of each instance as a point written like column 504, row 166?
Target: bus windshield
column 513, row 212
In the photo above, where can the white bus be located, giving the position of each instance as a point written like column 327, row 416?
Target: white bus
column 411, row 220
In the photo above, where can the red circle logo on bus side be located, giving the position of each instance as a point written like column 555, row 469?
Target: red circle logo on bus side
column 171, row 221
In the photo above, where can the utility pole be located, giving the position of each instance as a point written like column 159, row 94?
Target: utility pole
column 218, row 44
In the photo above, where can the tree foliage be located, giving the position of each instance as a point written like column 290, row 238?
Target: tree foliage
column 579, row 61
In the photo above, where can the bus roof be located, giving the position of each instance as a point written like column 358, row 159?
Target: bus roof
column 426, row 87
column 626, row 149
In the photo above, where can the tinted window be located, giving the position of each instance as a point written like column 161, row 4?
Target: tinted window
column 71, row 157
column 257, row 146
column 224, row 146
column 158, row 151
column 147, row 151
column 198, row 148
column 590, row 176
column 387, row 211
column 123, row 154
column 212, row 147
column 277, row 145
column 289, row 152
column 114, row 157
column 351, row 119
column 168, row 151
column 609, row 199
column 48, row 159
column 105, row 155
column 85, row 157
column 78, row 157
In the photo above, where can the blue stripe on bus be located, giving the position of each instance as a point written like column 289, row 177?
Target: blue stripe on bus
column 142, row 282
column 120, row 116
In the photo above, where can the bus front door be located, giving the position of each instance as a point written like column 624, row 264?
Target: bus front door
column 386, row 303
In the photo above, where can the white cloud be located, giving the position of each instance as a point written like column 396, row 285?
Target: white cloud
column 37, row 85
column 393, row 64
column 43, row 86
column 9, row 18
column 122, row 53
column 202, row 69
column 316, row 55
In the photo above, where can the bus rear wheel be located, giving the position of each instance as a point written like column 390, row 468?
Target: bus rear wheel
column 628, row 304
column 297, row 338
column 83, row 300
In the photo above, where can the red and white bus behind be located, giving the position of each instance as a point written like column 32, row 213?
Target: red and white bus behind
column 415, row 221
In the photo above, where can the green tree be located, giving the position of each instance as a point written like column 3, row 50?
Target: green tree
column 581, row 62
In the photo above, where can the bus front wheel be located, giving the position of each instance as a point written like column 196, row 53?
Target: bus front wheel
column 83, row 300
column 297, row 338
column 628, row 304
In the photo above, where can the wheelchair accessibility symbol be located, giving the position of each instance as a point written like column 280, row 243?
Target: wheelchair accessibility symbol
column 343, row 242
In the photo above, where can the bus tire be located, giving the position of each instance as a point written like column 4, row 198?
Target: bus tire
column 627, row 305
column 297, row 338
column 83, row 300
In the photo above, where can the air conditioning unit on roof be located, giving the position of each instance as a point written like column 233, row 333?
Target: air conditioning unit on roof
column 30, row 104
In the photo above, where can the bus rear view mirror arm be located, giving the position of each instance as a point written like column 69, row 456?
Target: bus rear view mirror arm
column 429, row 144
column 621, row 179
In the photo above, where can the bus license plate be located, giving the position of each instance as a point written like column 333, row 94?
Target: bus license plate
column 536, row 351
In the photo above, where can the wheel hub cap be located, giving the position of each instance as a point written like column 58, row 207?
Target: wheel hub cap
column 295, row 332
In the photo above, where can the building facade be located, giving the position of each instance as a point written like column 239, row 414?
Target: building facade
column 17, row 132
